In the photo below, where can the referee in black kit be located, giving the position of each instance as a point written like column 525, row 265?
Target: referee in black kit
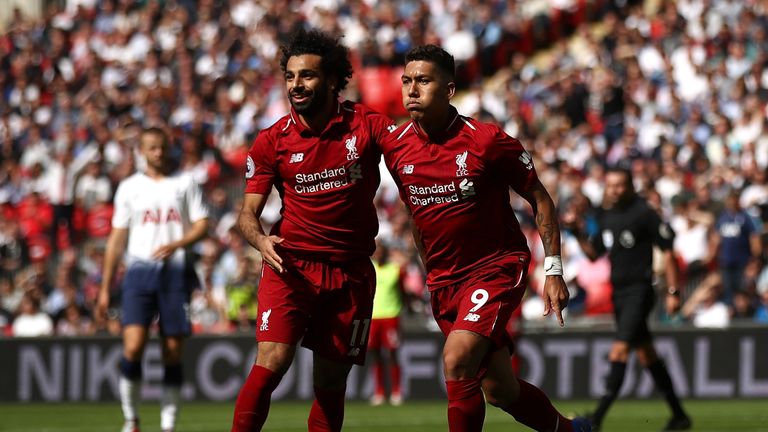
column 627, row 228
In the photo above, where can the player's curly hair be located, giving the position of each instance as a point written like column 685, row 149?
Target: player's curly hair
column 335, row 56
column 433, row 54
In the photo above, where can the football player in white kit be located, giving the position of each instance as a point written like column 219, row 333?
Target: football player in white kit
column 159, row 215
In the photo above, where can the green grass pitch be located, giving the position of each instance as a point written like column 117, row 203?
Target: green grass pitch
column 625, row 416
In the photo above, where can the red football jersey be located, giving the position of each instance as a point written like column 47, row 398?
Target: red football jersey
column 458, row 193
column 326, row 181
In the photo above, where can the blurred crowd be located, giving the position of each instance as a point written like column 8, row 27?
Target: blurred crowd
column 676, row 90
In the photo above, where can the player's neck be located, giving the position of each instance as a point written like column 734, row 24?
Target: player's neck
column 317, row 122
column 155, row 173
column 435, row 126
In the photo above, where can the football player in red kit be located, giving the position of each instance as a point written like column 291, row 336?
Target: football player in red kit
column 454, row 175
column 318, row 281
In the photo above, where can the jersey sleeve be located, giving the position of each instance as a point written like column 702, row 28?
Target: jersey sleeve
column 511, row 161
column 662, row 234
column 381, row 127
column 196, row 207
column 121, row 218
column 260, row 169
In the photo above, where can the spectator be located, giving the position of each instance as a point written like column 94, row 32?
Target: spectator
column 31, row 321
column 73, row 322
column 703, row 308
column 736, row 241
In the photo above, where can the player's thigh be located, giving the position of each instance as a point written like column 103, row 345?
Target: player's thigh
column 285, row 303
column 464, row 353
column 486, row 309
column 500, row 383
column 134, row 341
column 340, row 324
column 140, row 286
column 173, row 301
column 329, row 374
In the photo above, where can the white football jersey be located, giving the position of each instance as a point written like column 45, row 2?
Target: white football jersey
column 156, row 212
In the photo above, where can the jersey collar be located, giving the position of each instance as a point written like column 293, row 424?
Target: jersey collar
column 453, row 125
column 338, row 117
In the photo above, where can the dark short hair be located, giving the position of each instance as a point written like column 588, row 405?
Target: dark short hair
column 433, row 54
column 622, row 169
column 154, row 130
column 335, row 56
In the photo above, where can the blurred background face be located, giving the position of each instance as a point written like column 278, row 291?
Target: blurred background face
column 155, row 149
column 616, row 189
column 308, row 88
column 426, row 91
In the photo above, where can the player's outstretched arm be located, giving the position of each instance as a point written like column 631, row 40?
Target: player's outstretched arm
column 249, row 223
column 116, row 242
column 555, row 292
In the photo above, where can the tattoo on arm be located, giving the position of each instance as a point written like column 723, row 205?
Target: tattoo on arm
column 549, row 232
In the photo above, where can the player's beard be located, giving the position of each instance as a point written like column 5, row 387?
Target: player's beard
column 315, row 101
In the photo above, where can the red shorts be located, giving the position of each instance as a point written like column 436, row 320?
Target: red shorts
column 482, row 306
column 329, row 305
column 385, row 333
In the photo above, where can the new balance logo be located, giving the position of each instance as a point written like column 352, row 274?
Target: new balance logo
column 391, row 128
column 296, row 157
column 265, row 320
column 467, row 188
column 525, row 158
column 472, row 317
column 407, row 169
column 354, row 352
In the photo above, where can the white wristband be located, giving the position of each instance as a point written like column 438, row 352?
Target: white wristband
column 553, row 265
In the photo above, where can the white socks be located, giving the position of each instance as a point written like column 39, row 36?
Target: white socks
column 129, row 395
column 169, row 402
column 169, row 406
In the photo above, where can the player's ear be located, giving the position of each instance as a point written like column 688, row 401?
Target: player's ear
column 451, row 87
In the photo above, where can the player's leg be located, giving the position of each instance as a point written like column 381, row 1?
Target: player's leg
column 463, row 355
column 338, row 334
column 375, row 352
column 173, row 377
column 282, row 305
column 139, row 306
column 330, row 383
column 392, row 344
column 524, row 401
column 173, row 304
column 129, row 384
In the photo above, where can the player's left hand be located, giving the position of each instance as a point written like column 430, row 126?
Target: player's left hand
column 556, row 297
column 164, row 252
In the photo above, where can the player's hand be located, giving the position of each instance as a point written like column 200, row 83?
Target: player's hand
column 102, row 303
column 266, row 246
column 164, row 252
column 555, row 297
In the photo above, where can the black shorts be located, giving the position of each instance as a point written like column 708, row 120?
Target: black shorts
column 631, row 306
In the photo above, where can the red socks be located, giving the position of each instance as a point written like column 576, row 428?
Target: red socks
column 395, row 377
column 327, row 414
column 534, row 410
column 466, row 405
column 252, row 404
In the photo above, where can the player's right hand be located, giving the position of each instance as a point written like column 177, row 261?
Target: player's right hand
column 102, row 303
column 266, row 246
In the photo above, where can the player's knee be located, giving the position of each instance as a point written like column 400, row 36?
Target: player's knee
column 275, row 357
column 619, row 352
column 458, row 364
